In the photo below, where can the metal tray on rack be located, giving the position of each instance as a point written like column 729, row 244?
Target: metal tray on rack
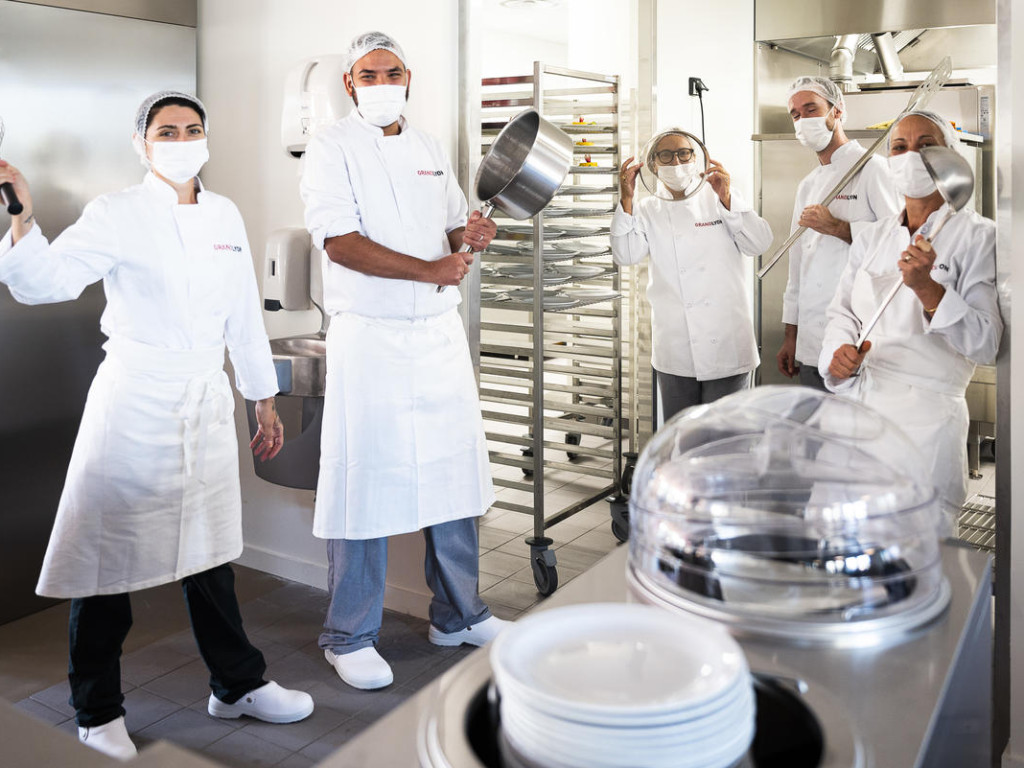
column 594, row 149
column 551, row 300
column 579, row 271
column 592, row 294
column 490, row 295
column 525, row 272
column 571, row 211
column 585, row 189
column 521, row 231
column 587, row 127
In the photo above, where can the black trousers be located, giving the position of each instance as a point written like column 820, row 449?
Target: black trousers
column 98, row 626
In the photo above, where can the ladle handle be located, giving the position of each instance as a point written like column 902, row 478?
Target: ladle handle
column 870, row 324
column 486, row 212
column 10, row 199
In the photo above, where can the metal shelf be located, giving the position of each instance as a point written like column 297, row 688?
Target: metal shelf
column 555, row 371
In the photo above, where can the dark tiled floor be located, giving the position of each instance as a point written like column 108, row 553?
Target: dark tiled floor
column 166, row 684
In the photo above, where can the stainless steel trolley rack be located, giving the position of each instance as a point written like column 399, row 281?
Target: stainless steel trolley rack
column 551, row 318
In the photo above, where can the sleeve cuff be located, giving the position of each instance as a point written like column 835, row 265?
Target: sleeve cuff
column 951, row 310
column 255, row 375
column 623, row 223
column 12, row 255
column 790, row 314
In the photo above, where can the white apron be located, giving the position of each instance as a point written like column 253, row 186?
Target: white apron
column 403, row 445
column 152, row 491
column 926, row 398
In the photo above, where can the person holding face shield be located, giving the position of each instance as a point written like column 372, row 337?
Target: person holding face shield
column 152, row 492
column 943, row 321
column 818, row 258
column 696, row 235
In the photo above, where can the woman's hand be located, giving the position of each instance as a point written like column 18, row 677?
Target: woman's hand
column 269, row 439
column 627, row 184
column 719, row 180
column 846, row 360
column 22, row 223
column 916, row 265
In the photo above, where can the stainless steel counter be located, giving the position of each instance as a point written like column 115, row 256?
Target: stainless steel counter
column 924, row 701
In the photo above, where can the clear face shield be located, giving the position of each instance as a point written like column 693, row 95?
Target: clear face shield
column 674, row 164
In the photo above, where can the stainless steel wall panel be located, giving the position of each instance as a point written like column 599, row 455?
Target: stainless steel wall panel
column 781, row 19
column 70, row 83
column 184, row 12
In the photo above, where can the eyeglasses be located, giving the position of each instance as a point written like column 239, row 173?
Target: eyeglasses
column 665, row 156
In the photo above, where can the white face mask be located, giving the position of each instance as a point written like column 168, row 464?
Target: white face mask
column 178, row 161
column 910, row 176
column 381, row 105
column 813, row 133
column 677, row 177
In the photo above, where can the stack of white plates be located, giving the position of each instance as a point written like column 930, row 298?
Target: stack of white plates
column 615, row 685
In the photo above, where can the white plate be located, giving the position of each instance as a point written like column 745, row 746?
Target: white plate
column 580, row 271
column 616, row 659
column 527, row 230
column 551, row 300
column 551, row 250
column 486, row 295
column 525, row 272
column 592, row 294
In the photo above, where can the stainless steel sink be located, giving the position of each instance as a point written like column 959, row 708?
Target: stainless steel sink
column 301, row 363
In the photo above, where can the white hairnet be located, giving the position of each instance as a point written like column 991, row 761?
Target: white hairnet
column 142, row 117
column 822, row 86
column 372, row 41
column 948, row 132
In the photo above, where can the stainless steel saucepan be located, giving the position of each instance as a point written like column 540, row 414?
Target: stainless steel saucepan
column 523, row 168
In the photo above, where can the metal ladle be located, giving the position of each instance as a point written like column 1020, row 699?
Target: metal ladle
column 955, row 181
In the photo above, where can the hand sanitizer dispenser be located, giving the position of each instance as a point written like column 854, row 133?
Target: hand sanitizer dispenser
column 286, row 270
column 314, row 97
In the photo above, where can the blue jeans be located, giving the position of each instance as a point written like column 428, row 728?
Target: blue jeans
column 357, row 576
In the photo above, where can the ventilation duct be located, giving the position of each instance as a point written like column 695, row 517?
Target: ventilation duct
column 888, row 58
column 840, row 69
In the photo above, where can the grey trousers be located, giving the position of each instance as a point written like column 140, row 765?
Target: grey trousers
column 809, row 377
column 357, row 578
column 679, row 392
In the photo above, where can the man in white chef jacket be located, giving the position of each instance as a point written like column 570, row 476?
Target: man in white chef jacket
column 818, row 258
column 403, row 446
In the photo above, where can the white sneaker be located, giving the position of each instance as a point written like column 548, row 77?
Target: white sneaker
column 477, row 634
column 110, row 738
column 270, row 703
column 363, row 669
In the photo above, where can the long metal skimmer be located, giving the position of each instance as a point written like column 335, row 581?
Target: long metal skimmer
column 918, row 99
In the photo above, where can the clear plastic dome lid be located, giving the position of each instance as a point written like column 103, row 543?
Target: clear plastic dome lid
column 783, row 456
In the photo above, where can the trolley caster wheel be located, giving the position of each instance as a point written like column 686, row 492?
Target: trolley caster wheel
column 542, row 562
column 527, row 454
column 620, row 517
column 572, row 438
column 626, row 483
column 545, row 577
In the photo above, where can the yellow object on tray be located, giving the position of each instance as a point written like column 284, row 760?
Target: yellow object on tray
column 879, row 126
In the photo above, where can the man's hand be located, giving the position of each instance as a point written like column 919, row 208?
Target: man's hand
column 451, row 269
column 786, row 358
column 820, row 219
column 478, row 232
column 846, row 360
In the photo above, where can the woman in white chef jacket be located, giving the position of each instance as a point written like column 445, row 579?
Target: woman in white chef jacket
column 921, row 355
column 703, row 345
column 152, row 491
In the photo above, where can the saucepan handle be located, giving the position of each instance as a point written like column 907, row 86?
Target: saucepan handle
column 10, row 199
column 486, row 211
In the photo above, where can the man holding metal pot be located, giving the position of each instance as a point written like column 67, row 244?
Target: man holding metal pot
column 403, row 446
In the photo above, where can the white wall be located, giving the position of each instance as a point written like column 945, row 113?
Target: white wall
column 712, row 41
column 245, row 49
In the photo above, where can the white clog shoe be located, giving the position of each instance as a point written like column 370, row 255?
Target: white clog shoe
column 480, row 633
column 110, row 739
column 270, row 703
column 363, row 669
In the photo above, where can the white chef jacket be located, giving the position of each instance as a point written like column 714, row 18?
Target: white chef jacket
column 398, row 191
column 816, row 261
column 152, row 492
column 700, row 305
column 402, row 446
column 917, row 371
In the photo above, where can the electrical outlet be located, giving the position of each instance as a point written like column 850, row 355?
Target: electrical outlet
column 697, row 86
